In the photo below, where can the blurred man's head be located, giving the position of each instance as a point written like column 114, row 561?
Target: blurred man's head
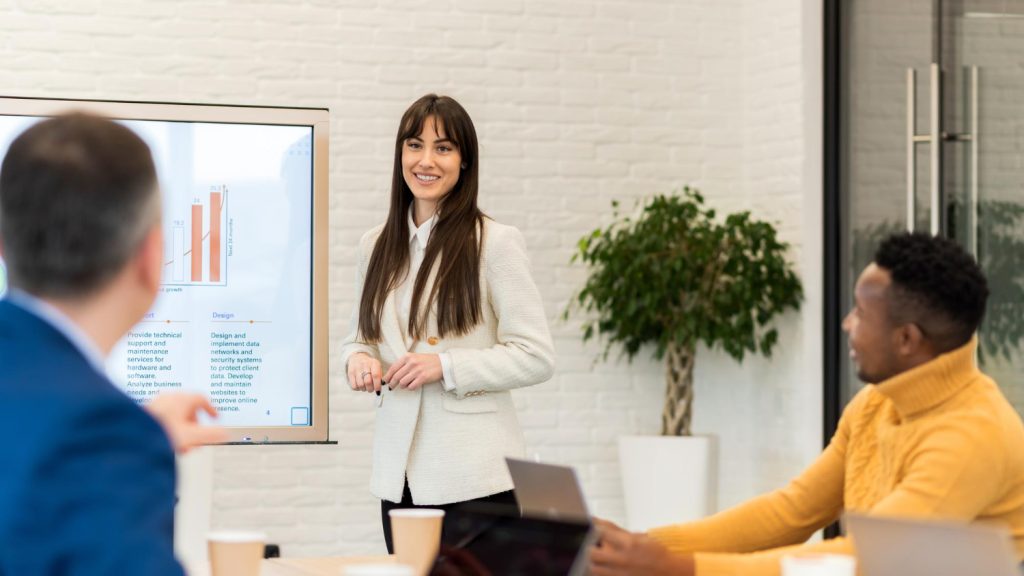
column 80, row 212
column 921, row 297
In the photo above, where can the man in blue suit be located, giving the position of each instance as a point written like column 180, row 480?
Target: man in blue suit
column 87, row 483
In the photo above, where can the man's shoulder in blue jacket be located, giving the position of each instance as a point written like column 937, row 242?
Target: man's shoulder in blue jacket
column 88, row 483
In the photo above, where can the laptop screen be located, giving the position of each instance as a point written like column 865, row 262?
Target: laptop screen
column 548, row 490
column 482, row 541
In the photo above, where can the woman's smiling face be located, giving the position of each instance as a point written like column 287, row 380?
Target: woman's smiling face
column 431, row 162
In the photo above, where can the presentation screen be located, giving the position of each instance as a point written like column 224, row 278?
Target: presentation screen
column 241, row 315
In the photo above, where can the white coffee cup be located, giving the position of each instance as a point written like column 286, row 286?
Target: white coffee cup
column 378, row 570
column 416, row 533
column 819, row 565
column 235, row 553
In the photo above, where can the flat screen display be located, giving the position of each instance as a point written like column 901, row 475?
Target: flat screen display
column 237, row 316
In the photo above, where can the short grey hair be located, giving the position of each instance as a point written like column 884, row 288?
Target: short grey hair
column 78, row 194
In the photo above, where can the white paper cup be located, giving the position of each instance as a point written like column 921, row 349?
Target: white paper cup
column 416, row 533
column 235, row 553
column 819, row 565
column 378, row 570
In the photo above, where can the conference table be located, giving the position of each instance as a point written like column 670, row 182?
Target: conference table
column 317, row 566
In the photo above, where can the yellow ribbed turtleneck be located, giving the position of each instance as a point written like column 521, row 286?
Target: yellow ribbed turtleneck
column 937, row 441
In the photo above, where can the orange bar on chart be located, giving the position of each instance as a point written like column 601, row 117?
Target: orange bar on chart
column 215, row 204
column 197, row 242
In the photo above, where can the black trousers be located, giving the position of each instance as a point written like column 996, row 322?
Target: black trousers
column 501, row 498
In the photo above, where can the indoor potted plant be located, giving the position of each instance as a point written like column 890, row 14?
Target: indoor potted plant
column 671, row 276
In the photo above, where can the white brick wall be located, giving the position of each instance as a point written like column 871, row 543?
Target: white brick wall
column 577, row 103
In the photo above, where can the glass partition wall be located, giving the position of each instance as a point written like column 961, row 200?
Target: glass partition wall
column 926, row 132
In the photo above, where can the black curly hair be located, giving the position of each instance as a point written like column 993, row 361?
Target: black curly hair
column 936, row 285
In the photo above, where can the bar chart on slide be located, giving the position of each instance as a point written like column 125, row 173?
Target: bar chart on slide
column 197, row 245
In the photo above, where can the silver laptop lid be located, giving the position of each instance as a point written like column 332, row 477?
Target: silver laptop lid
column 902, row 547
column 547, row 490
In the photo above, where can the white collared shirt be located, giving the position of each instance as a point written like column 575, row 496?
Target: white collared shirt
column 61, row 323
column 418, row 237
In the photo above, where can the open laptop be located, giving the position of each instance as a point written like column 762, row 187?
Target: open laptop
column 481, row 540
column 901, row 547
column 548, row 491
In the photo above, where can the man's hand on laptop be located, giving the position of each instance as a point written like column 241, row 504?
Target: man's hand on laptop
column 620, row 553
column 177, row 413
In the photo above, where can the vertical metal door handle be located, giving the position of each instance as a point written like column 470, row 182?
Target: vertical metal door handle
column 933, row 138
column 936, row 151
column 975, row 143
column 911, row 143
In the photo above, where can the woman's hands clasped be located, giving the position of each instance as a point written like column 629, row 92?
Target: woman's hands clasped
column 414, row 370
column 410, row 371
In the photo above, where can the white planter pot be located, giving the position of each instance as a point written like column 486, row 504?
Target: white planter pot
column 668, row 479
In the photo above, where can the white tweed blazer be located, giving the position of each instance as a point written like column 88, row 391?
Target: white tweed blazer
column 451, row 445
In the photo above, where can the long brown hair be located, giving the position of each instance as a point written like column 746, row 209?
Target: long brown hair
column 456, row 237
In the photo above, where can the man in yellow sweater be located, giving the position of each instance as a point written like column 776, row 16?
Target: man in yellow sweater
column 930, row 437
